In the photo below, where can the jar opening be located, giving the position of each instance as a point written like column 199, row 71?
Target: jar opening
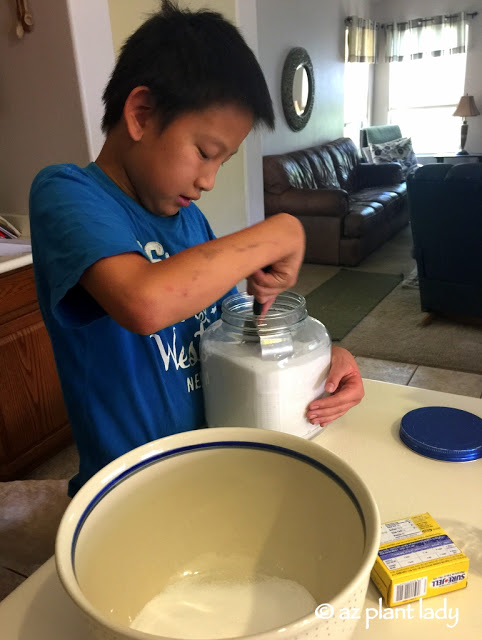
column 288, row 310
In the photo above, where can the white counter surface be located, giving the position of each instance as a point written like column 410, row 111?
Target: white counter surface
column 8, row 263
column 403, row 484
column 15, row 253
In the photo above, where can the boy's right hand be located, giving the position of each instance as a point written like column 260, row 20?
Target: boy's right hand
column 267, row 283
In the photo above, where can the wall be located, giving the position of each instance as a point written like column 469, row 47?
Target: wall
column 89, row 22
column 396, row 11
column 44, row 116
column 247, row 20
column 225, row 205
column 126, row 16
column 318, row 26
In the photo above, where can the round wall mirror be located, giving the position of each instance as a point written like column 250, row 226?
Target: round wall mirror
column 297, row 88
column 301, row 87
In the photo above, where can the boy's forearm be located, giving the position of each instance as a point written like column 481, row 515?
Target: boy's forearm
column 145, row 297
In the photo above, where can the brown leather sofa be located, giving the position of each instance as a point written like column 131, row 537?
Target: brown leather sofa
column 348, row 208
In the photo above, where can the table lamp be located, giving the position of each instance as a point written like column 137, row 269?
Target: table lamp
column 465, row 109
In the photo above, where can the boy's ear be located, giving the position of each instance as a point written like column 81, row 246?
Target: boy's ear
column 138, row 109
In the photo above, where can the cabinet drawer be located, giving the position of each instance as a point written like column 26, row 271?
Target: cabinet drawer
column 31, row 404
column 17, row 293
column 33, row 418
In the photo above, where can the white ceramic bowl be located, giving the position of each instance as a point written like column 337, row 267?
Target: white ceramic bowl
column 227, row 502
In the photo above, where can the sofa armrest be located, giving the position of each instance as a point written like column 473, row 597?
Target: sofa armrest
column 308, row 202
column 376, row 175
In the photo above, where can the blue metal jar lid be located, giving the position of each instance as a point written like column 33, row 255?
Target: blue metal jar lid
column 443, row 433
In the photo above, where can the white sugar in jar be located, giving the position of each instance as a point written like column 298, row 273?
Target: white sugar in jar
column 264, row 372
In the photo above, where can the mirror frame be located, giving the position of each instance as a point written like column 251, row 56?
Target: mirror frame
column 296, row 57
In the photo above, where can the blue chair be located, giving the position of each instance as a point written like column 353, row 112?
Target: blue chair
column 445, row 206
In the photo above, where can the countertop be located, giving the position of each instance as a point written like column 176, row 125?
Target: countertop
column 403, row 484
column 15, row 253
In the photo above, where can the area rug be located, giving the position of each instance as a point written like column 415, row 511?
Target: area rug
column 344, row 300
column 398, row 330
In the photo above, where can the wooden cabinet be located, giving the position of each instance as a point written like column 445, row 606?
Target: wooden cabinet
column 33, row 418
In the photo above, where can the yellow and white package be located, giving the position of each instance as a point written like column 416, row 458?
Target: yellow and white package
column 417, row 559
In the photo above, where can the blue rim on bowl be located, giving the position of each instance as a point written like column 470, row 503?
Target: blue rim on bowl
column 236, row 444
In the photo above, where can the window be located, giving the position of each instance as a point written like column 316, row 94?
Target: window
column 423, row 94
column 427, row 77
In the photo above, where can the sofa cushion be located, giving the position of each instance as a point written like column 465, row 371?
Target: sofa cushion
column 399, row 189
column 376, row 194
column 323, row 168
column 310, row 168
column 301, row 172
column 275, row 175
column 362, row 218
column 390, row 201
column 307, row 202
column 395, row 151
column 346, row 160
column 282, row 172
column 379, row 175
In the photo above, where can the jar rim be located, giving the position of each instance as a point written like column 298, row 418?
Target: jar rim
column 288, row 310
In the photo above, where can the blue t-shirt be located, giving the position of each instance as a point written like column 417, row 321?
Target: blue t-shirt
column 121, row 389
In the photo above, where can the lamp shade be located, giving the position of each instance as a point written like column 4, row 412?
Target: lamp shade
column 466, row 107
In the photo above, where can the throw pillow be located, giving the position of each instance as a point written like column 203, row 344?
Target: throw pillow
column 399, row 150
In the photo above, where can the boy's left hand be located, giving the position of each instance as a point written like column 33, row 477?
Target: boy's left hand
column 345, row 384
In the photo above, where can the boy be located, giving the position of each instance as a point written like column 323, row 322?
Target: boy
column 128, row 271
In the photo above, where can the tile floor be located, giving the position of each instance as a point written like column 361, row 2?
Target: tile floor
column 393, row 257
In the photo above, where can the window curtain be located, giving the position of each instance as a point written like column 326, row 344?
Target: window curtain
column 437, row 36
column 361, row 41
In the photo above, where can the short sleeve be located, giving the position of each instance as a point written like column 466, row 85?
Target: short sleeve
column 74, row 223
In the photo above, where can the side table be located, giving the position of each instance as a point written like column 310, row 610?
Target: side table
column 441, row 158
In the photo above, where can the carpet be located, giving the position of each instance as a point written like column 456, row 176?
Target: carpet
column 397, row 330
column 411, row 281
column 346, row 298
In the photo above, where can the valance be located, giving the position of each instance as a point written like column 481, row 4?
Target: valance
column 361, row 40
column 437, row 36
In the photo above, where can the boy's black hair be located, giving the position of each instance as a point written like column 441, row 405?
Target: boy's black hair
column 189, row 61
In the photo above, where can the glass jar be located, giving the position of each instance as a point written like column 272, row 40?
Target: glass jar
column 263, row 371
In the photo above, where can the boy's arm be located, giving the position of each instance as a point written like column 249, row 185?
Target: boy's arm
column 145, row 297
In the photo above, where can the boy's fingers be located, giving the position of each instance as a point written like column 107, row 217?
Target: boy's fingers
column 340, row 398
column 327, row 416
column 266, row 286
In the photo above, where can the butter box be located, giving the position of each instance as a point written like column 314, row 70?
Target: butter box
column 417, row 559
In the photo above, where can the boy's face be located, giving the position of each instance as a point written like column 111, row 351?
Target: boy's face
column 165, row 170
